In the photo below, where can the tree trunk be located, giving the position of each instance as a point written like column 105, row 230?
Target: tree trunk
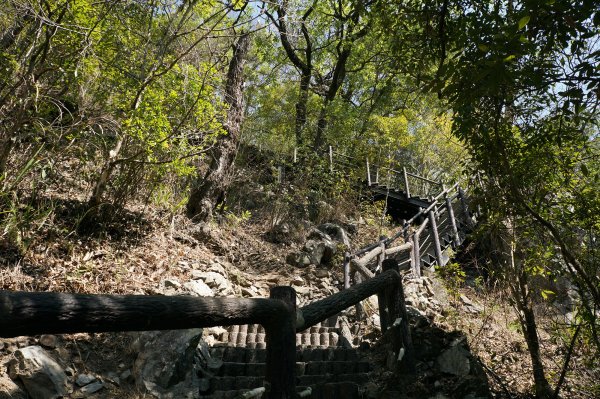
column 301, row 107
column 521, row 295
column 209, row 191
column 339, row 74
column 542, row 387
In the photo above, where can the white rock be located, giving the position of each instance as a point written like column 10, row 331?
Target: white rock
column 171, row 283
column 212, row 279
column 198, row 288
column 41, row 375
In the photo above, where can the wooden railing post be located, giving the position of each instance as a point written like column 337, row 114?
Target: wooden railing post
column 407, row 238
column 406, row 188
column 331, row 159
column 436, row 238
column 398, row 318
column 452, row 222
column 281, row 348
column 368, row 173
column 346, row 270
column 465, row 207
column 417, row 253
column 384, row 318
column 360, row 313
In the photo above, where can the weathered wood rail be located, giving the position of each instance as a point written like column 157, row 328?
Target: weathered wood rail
column 32, row 313
column 440, row 228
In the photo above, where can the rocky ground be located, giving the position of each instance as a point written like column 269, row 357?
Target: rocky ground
column 466, row 340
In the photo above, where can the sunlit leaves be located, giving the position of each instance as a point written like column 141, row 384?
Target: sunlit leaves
column 524, row 21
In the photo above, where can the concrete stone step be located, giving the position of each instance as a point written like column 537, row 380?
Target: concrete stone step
column 318, row 380
column 234, row 354
column 330, row 372
column 233, row 394
column 253, row 336
column 302, row 368
column 232, row 383
column 337, row 390
column 326, row 354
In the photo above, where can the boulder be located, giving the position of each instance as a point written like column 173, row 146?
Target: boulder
column 164, row 358
column 455, row 361
column 320, row 251
column 8, row 389
column 198, row 288
column 214, row 280
column 336, row 232
column 281, row 233
column 42, row 376
column 318, row 235
column 298, row 259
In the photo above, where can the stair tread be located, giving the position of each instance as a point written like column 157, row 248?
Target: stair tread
column 333, row 390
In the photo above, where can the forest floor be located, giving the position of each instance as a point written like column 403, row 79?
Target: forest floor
column 137, row 253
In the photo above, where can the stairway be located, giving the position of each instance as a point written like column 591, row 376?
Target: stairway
column 327, row 367
column 446, row 234
column 399, row 205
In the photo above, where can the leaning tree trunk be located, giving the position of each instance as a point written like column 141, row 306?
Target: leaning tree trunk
column 522, row 297
column 209, row 191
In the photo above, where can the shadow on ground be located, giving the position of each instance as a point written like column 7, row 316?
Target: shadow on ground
column 445, row 367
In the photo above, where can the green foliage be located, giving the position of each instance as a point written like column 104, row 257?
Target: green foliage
column 453, row 276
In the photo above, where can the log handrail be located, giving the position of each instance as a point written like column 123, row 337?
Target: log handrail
column 31, row 313
column 323, row 309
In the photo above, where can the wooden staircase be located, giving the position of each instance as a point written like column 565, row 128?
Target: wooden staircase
column 327, row 367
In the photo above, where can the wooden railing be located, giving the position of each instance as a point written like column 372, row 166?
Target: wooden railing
column 442, row 209
column 413, row 185
column 31, row 313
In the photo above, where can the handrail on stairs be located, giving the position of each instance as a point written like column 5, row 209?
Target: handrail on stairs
column 411, row 235
column 31, row 313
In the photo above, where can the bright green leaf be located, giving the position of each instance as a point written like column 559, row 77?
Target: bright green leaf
column 524, row 21
column 547, row 293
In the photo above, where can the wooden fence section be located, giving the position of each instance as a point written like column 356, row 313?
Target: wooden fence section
column 31, row 313
column 425, row 244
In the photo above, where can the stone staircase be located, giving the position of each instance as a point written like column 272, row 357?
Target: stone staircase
column 327, row 366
